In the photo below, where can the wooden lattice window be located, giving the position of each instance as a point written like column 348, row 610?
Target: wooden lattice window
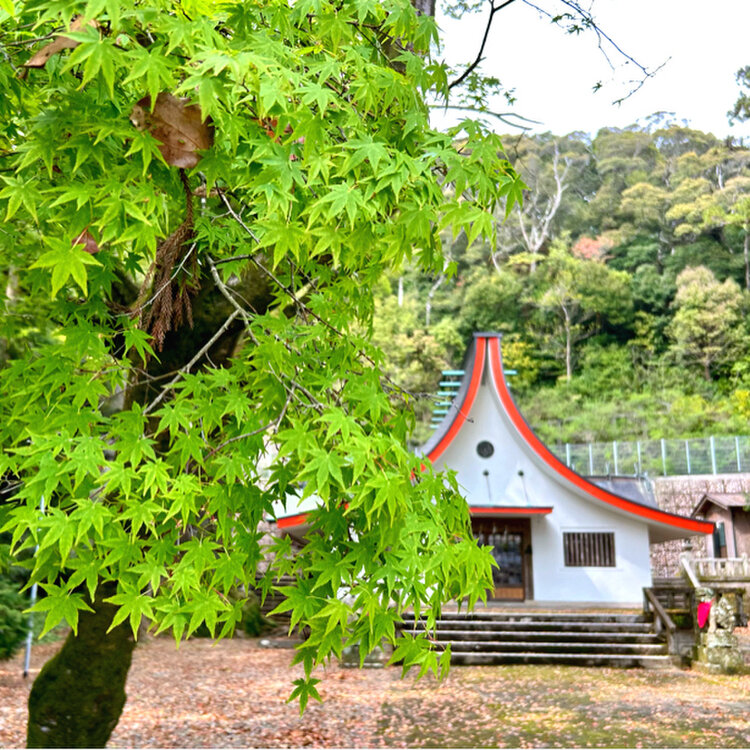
column 589, row 549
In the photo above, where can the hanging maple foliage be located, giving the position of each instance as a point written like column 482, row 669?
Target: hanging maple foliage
column 178, row 126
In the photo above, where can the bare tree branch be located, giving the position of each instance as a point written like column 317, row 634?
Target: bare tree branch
column 502, row 116
column 199, row 354
column 244, row 435
column 472, row 66
column 603, row 39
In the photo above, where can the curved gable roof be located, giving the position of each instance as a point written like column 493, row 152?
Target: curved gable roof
column 486, row 349
column 462, row 402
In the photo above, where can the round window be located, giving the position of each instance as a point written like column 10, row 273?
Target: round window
column 485, row 449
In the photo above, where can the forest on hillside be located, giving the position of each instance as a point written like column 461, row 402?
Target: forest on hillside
column 621, row 288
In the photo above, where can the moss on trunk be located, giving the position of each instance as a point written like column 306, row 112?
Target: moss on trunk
column 77, row 699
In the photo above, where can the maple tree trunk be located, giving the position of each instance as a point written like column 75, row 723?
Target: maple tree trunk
column 425, row 7
column 77, row 698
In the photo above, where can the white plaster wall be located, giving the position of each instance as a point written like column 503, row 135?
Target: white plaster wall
column 620, row 584
column 504, row 486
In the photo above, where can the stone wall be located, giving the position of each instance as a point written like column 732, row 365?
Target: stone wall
column 680, row 495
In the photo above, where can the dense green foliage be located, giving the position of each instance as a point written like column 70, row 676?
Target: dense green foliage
column 621, row 287
column 166, row 395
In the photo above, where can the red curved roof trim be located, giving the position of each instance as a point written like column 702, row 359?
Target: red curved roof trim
column 651, row 514
column 508, row 511
column 297, row 520
column 463, row 411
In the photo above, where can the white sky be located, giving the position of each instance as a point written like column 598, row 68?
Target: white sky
column 702, row 43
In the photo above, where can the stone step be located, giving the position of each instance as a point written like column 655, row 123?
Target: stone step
column 671, row 583
column 537, row 625
column 579, row 660
column 502, row 616
column 548, row 637
column 554, row 647
column 531, row 636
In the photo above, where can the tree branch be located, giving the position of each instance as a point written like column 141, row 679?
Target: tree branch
column 302, row 306
column 502, row 116
column 184, row 370
column 245, row 435
column 226, row 291
column 589, row 22
column 472, row 66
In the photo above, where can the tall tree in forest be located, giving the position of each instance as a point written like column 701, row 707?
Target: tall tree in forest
column 731, row 208
column 198, row 201
column 741, row 109
column 574, row 297
column 707, row 326
column 549, row 165
column 623, row 157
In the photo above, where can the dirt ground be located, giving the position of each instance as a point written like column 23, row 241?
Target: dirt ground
column 233, row 694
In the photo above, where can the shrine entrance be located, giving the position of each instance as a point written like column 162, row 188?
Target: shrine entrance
column 510, row 540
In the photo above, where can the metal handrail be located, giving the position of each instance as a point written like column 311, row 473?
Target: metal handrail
column 716, row 454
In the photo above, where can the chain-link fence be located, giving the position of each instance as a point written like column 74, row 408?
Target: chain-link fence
column 711, row 455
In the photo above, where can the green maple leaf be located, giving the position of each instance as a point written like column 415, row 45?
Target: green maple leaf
column 60, row 604
column 304, row 689
column 66, row 260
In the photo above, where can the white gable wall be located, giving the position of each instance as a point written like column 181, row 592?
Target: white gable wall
column 504, row 486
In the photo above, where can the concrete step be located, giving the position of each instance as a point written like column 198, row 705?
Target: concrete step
column 488, row 616
column 554, row 647
column 515, row 637
column 579, row 660
column 531, row 636
column 536, row 625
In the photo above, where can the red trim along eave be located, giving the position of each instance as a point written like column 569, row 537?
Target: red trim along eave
column 463, row 410
column 296, row 520
column 509, row 511
column 652, row 514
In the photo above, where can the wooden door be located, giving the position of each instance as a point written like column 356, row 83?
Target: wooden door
column 510, row 540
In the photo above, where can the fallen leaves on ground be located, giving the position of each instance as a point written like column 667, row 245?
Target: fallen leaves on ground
column 233, row 694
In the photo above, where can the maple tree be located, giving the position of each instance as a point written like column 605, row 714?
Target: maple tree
column 198, row 199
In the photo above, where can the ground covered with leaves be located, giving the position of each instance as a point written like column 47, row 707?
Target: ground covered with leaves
column 233, row 694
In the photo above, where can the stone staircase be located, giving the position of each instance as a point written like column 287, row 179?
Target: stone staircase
column 582, row 639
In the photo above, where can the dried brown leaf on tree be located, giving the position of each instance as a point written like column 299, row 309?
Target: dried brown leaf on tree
column 39, row 59
column 178, row 126
column 86, row 239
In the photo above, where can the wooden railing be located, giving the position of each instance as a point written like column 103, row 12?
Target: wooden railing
column 663, row 623
column 722, row 568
